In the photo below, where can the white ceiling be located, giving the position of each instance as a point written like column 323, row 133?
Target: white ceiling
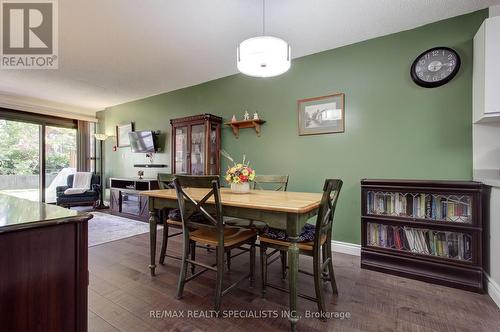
column 114, row 51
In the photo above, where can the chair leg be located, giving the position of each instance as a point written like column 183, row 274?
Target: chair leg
column 324, row 254
column 330, row 269
column 252, row 263
column 263, row 268
column 283, row 257
column 184, row 266
column 193, row 255
column 164, row 242
column 317, row 280
column 228, row 258
column 220, row 274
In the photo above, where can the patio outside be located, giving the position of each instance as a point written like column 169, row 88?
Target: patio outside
column 20, row 159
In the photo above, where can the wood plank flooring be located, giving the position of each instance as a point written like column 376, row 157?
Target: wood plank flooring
column 122, row 295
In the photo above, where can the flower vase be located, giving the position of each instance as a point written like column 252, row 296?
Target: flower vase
column 240, row 188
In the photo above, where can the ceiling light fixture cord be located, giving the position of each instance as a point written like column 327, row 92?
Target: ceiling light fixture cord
column 263, row 17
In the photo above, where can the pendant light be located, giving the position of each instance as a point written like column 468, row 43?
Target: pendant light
column 263, row 56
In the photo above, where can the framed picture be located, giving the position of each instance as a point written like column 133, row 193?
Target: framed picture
column 122, row 131
column 321, row 115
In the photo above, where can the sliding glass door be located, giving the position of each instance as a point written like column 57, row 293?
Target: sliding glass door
column 60, row 158
column 20, row 159
column 37, row 153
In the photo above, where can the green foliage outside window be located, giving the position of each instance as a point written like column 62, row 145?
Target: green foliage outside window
column 19, row 148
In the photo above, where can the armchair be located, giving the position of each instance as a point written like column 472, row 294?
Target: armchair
column 90, row 197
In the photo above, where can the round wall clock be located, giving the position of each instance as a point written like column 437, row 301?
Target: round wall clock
column 435, row 67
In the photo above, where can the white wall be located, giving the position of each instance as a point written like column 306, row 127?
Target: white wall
column 486, row 146
column 486, row 156
column 486, row 137
column 493, row 262
column 494, row 11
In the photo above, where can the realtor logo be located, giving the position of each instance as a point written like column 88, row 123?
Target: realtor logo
column 28, row 34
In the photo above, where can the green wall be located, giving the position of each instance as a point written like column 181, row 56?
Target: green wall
column 394, row 129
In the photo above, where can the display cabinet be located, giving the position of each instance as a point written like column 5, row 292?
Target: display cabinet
column 196, row 144
column 427, row 230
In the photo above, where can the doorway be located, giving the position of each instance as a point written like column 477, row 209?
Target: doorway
column 36, row 155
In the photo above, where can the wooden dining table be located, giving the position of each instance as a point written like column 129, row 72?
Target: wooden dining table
column 278, row 209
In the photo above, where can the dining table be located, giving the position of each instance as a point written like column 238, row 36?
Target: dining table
column 286, row 210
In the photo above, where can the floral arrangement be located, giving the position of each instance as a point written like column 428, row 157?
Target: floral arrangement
column 239, row 172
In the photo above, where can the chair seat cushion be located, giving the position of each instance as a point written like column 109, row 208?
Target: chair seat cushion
column 245, row 223
column 232, row 236
column 306, row 235
column 175, row 215
column 308, row 246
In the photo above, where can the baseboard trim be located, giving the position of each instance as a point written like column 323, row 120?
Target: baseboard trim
column 493, row 290
column 355, row 250
column 346, row 248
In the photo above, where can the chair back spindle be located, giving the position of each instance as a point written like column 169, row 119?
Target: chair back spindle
column 271, row 182
column 326, row 212
column 189, row 206
column 165, row 180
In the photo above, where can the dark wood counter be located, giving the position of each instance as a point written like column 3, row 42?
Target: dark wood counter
column 43, row 264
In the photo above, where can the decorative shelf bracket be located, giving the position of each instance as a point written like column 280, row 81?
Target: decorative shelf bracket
column 237, row 125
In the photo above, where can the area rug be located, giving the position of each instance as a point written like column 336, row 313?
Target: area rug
column 106, row 228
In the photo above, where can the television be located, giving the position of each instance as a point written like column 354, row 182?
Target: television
column 142, row 141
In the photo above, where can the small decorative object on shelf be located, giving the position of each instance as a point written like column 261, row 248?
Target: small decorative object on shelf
column 151, row 157
column 140, row 174
column 233, row 119
column 254, row 123
column 256, row 116
column 426, row 230
column 246, row 116
column 239, row 175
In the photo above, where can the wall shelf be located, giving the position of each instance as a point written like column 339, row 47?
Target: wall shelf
column 150, row 165
column 237, row 125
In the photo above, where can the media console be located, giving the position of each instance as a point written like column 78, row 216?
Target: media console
column 125, row 199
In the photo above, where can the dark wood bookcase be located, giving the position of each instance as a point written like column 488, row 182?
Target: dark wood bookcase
column 425, row 230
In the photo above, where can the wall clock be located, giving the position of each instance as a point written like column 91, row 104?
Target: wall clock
column 435, row 67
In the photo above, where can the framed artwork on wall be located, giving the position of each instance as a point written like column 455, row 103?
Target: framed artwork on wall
column 122, row 131
column 321, row 115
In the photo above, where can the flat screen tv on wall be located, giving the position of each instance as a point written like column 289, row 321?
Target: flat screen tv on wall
column 142, row 141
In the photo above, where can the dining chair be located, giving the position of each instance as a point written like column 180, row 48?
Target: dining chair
column 263, row 182
column 165, row 181
column 318, row 247
column 213, row 231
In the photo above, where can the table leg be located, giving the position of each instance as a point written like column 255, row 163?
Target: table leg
column 293, row 270
column 293, row 230
column 153, row 219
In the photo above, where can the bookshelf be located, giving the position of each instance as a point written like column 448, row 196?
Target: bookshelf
column 426, row 230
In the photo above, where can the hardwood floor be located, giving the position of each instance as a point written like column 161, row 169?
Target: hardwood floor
column 122, row 296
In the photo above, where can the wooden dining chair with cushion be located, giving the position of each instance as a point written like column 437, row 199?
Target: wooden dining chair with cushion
column 315, row 241
column 169, row 217
column 214, row 232
column 263, row 182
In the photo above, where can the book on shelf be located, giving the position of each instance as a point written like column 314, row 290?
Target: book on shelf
column 421, row 206
column 421, row 241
